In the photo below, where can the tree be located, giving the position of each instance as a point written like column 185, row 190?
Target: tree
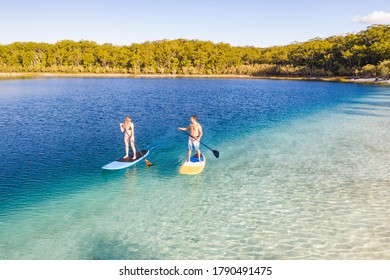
column 336, row 55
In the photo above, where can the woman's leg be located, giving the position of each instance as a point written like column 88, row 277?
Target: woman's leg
column 126, row 148
column 133, row 148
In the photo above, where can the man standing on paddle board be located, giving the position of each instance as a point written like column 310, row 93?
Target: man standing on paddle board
column 196, row 133
column 128, row 128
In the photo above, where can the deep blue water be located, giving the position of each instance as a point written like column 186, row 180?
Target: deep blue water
column 302, row 174
column 56, row 130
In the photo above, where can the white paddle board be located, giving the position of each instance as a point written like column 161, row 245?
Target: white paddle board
column 126, row 162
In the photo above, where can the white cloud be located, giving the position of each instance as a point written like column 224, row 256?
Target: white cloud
column 374, row 17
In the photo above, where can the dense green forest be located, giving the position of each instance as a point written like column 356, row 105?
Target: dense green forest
column 363, row 54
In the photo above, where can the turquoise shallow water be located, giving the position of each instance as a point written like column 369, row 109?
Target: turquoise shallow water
column 303, row 172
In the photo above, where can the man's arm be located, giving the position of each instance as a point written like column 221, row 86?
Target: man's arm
column 200, row 132
column 185, row 128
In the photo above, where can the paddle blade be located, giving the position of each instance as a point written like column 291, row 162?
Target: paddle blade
column 148, row 163
column 216, row 153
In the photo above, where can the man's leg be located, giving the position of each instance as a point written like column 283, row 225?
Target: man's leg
column 196, row 145
column 189, row 150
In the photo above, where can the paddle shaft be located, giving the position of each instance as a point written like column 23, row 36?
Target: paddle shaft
column 138, row 149
column 148, row 163
column 199, row 141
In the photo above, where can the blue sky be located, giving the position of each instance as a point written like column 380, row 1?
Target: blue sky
column 239, row 23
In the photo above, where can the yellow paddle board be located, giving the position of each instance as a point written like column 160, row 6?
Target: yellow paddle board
column 194, row 166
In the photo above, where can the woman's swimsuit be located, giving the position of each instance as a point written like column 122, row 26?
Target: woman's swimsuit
column 128, row 133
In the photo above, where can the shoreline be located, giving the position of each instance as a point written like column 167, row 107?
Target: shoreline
column 31, row 75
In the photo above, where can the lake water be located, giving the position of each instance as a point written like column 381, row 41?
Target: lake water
column 303, row 171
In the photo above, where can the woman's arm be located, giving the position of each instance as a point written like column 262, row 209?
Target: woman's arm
column 132, row 129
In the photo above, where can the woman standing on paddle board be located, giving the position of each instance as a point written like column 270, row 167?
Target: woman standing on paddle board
column 196, row 133
column 128, row 128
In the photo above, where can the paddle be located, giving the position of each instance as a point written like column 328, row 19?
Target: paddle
column 216, row 153
column 148, row 163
